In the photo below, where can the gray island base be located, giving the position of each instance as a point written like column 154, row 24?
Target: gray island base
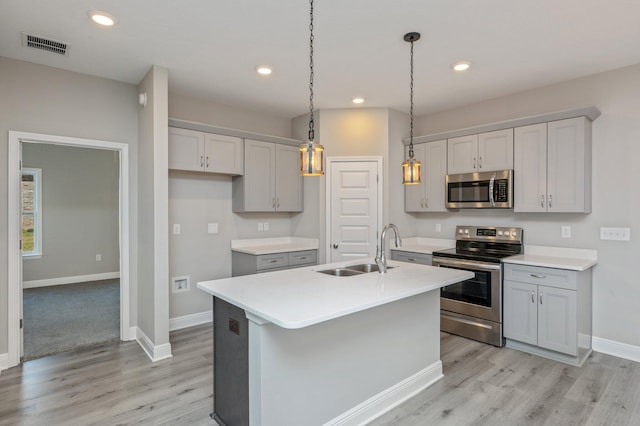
column 300, row 347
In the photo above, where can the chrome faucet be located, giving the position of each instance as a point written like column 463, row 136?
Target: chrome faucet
column 381, row 257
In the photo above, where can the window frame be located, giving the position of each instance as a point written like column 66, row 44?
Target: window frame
column 36, row 253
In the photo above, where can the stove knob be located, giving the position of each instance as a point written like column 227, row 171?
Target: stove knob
column 514, row 234
column 466, row 231
column 500, row 233
column 460, row 231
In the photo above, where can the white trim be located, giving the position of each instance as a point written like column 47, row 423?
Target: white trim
column 186, row 321
column 389, row 398
column 621, row 350
column 380, row 185
column 70, row 280
column 14, row 270
column 155, row 353
column 4, row 361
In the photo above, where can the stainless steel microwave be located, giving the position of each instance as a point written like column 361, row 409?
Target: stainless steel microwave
column 484, row 190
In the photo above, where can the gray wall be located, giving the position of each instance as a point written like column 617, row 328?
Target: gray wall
column 196, row 200
column 616, row 200
column 80, row 190
column 46, row 100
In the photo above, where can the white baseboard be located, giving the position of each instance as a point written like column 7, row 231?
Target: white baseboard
column 70, row 280
column 621, row 350
column 178, row 323
column 389, row 398
column 154, row 352
column 4, row 361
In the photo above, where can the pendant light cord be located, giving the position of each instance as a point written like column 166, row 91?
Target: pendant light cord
column 411, row 107
column 311, row 123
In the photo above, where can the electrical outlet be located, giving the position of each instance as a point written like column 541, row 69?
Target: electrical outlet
column 176, row 229
column 98, row 258
column 260, row 226
column 180, row 284
column 438, row 227
column 565, row 231
column 266, row 226
column 212, row 228
column 615, row 234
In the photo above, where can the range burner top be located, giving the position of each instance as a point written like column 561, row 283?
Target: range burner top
column 485, row 244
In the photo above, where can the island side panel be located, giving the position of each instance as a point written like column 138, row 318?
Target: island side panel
column 316, row 374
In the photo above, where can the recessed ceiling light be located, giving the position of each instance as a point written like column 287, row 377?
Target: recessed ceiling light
column 102, row 18
column 461, row 66
column 358, row 100
column 264, row 69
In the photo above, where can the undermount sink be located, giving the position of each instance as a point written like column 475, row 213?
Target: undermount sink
column 341, row 272
column 349, row 271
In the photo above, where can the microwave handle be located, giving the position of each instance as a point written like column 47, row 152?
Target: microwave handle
column 491, row 199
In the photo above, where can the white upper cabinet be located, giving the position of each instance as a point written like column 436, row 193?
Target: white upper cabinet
column 190, row 150
column 271, row 181
column 481, row 152
column 552, row 167
column 429, row 195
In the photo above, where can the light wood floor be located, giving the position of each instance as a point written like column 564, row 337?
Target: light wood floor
column 483, row 385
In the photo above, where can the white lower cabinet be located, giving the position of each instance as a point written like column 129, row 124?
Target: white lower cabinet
column 547, row 312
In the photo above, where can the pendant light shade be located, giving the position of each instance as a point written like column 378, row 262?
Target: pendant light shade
column 411, row 167
column 311, row 153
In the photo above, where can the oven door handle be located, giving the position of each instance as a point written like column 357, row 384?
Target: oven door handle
column 480, row 266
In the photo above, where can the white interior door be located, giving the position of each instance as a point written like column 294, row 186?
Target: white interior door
column 354, row 208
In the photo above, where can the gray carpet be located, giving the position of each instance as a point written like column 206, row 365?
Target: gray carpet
column 72, row 316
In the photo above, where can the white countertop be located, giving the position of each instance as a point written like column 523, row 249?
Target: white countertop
column 258, row 246
column 556, row 257
column 297, row 298
column 424, row 245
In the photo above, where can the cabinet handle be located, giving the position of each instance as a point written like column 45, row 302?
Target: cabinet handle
column 542, row 200
column 273, row 202
column 550, row 200
column 411, row 259
column 273, row 261
column 538, row 276
column 474, row 162
column 207, row 161
column 422, row 202
column 302, row 257
column 426, row 203
column 202, row 161
column 277, row 202
column 480, row 163
column 533, row 297
column 541, row 298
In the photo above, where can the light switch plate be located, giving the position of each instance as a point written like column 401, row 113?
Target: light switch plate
column 266, row 226
column 98, row 258
column 260, row 226
column 212, row 228
column 438, row 227
column 615, row 234
column 176, row 229
column 565, row 231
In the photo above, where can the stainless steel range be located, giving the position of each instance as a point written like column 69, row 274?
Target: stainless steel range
column 473, row 308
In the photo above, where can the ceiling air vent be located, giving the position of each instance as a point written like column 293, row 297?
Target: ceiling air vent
column 37, row 42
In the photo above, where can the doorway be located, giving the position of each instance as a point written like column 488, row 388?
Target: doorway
column 354, row 207
column 15, row 272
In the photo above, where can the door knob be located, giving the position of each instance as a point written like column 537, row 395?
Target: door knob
column 335, row 246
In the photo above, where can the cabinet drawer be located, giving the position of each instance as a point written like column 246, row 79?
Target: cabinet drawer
column 550, row 277
column 411, row 257
column 270, row 261
column 306, row 257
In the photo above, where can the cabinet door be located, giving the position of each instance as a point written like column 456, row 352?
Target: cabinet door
column 186, row 150
column 414, row 195
column 530, row 168
column 223, row 154
column 288, row 179
column 495, row 150
column 259, row 176
column 462, row 154
column 557, row 320
column 436, row 170
column 567, row 166
column 521, row 312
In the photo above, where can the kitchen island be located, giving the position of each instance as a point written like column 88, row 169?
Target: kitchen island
column 299, row 346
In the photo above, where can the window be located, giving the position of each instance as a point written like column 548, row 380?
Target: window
column 31, row 213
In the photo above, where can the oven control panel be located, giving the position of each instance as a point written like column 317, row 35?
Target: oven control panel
column 489, row 233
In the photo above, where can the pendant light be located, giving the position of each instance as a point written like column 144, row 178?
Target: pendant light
column 411, row 167
column 311, row 153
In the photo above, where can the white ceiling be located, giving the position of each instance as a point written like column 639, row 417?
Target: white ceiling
column 211, row 47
